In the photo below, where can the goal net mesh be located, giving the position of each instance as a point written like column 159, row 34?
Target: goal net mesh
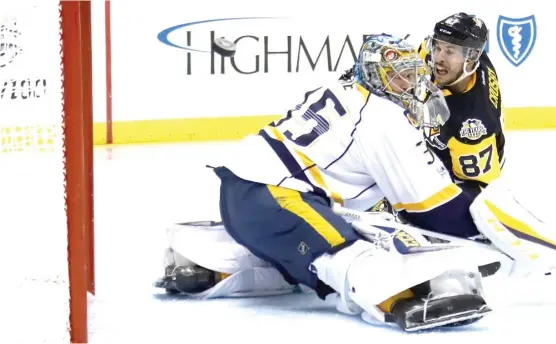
column 34, row 291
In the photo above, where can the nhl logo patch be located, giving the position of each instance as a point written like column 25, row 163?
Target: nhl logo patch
column 472, row 129
column 303, row 248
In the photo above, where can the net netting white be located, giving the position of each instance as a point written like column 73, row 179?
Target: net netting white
column 34, row 294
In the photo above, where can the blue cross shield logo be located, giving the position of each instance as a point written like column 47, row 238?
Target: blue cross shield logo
column 516, row 37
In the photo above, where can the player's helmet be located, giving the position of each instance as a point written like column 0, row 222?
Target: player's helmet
column 465, row 31
column 383, row 61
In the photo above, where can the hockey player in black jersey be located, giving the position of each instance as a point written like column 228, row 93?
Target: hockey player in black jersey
column 471, row 142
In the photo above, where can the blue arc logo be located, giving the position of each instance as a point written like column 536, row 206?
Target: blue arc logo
column 163, row 35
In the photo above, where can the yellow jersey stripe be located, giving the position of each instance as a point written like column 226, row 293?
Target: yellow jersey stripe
column 362, row 90
column 291, row 201
column 443, row 196
column 276, row 134
column 317, row 176
column 312, row 168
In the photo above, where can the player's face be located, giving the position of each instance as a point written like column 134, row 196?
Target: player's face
column 448, row 62
column 401, row 82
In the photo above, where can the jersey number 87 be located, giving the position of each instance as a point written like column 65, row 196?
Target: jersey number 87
column 470, row 163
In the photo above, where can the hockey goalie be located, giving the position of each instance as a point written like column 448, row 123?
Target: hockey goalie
column 294, row 204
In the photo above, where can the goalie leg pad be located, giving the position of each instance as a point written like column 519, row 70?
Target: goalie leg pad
column 365, row 275
column 457, row 282
column 201, row 259
column 184, row 277
column 514, row 230
column 206, row 243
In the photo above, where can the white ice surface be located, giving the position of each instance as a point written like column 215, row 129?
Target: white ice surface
column 140, row 189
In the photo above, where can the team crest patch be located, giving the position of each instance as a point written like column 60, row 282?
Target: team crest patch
column 382, row 206
column 472, row 129
column 516, row 37
column 478, row 21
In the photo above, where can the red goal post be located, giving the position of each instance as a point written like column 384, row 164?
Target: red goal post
column 78, row 136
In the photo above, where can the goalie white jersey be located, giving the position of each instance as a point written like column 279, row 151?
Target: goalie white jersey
column 353, row 147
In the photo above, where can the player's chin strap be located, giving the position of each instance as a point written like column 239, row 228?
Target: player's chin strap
column 465, row 73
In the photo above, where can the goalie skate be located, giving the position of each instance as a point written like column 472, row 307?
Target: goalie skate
column 421, row 314
column 183, row 276
column 187, row 279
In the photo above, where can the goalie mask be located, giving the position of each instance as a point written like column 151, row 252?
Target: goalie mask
column 456, row 46
column 390, row 67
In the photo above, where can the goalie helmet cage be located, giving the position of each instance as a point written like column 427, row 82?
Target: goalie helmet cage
column 75, row 20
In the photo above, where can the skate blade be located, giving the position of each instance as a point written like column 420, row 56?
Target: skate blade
column 163, row 282
column 167, row 284
column 451, row 319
